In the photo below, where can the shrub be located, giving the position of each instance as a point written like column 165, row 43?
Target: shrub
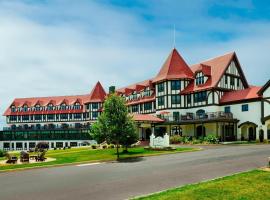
column 186, row 139
column 94, row 146
column 176, row 139
column 196, row 141
column 104, row 146
column 111, row 146
column 212, row 139
column 42, row 146
column 2, row 153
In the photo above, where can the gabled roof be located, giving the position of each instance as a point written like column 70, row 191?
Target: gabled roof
column 98, row 93
column 146, row 83
column 174, row 67
column 218, row 67
column 240, row 95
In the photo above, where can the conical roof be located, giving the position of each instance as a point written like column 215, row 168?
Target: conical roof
column 174, row 67
column 97, row 94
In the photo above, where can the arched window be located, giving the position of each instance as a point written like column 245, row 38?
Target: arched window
column 200, row 113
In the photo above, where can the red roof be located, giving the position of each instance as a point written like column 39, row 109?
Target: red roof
column 241, row 95
column 214, row 67
column 142, row 100
column 98, row 94
column 137, row 86
column 146, row 118
column 174, row 67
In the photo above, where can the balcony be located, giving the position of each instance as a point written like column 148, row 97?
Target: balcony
column 46, row 127
column 197, row 117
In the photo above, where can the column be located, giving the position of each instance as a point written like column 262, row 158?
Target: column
column 153, row 129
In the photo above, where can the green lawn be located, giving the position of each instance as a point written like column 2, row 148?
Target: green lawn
column 86, row 154
column 245, row 186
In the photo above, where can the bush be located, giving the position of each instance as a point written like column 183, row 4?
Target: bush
column 2, row 153
column 196, row 141
column 111, row 146
column 176, row 139
column 104, row 146
column 212, row 139
column 186, row 139
column 41, row 146
column 94, row 146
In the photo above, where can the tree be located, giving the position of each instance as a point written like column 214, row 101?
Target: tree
column 129, row 136
column 114, row 124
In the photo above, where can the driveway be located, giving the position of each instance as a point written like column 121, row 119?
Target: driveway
column 128, row 179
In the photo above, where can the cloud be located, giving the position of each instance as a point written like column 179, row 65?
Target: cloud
column 64, row 47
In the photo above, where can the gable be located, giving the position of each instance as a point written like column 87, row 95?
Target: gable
column 233, row 77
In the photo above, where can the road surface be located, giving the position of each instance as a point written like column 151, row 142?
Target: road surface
column 128, row 179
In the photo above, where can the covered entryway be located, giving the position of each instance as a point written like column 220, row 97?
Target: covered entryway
column 200, row 131
column 248, row 131
column 261, row 135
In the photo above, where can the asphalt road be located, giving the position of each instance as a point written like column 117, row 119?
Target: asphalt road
column 128, row 179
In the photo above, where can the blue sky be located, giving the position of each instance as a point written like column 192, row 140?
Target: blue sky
column 63, row 47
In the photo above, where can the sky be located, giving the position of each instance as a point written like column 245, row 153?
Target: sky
column 63, row 47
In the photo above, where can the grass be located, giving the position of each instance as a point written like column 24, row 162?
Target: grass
column 245, row 186
column 86, row 154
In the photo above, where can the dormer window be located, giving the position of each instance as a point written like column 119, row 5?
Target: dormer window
column 63, row 107
column 25, row 108
column 199, row 78
column 37, row 108
column 77, row 106
column 50, row 107
column 13, row 109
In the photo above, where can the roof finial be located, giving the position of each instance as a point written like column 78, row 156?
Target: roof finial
column 174, row 36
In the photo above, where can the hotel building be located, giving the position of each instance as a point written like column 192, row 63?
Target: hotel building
column 211, row 97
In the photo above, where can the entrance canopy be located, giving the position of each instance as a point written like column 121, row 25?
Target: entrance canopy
column 146, row 118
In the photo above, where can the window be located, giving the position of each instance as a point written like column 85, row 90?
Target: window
column 199, row 78
column 77, row 116
column 176, row 99
column 148, row 106
column 160, row 101
column 50, row 107
column 64, row 116
column 77, row 106
column 134, row 108
column 160, row 87
column 13, row 109
column 189, row 98
column 200, row 96
column 176, row 116
column 94, row 105
column 147, row 92
column 37, row 108
column 95, row 114
column 231, row 81
column 175, row 85
column 244, row 107
column 238, row 81
column 63, row 107
column 38, row 117
column 25, row 108
column 50, row 117
column 25, row 117
column 227, row 109
column 226, row 79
